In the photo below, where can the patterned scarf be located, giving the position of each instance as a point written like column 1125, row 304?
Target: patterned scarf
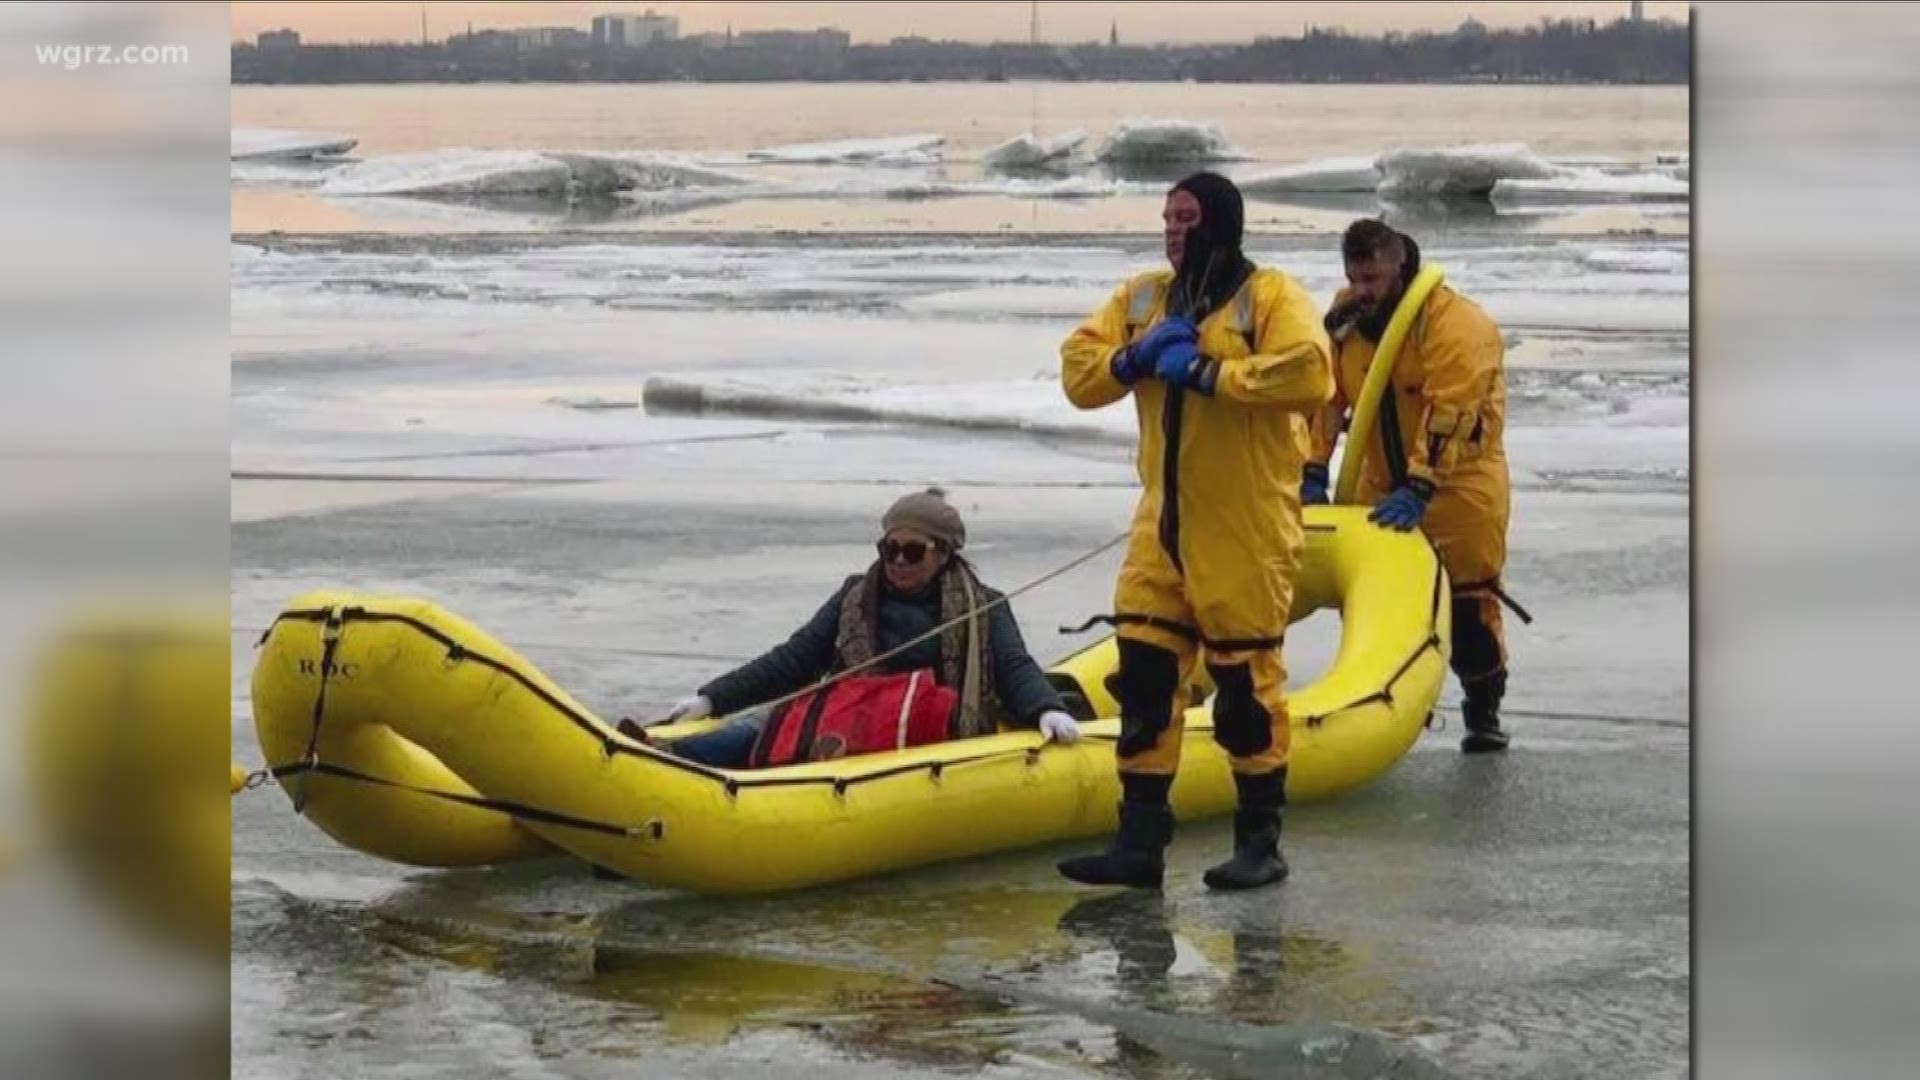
column 966, row 654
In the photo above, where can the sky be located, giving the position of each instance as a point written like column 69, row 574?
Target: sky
column 1140, row 21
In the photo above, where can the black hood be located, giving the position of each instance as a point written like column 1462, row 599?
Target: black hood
column 1212, row 269
column 1374, row 326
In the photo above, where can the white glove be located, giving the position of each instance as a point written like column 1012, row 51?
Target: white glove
column 697, row 707
column 1058, row 726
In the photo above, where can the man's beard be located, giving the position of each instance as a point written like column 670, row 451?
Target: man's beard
column 1373, row 323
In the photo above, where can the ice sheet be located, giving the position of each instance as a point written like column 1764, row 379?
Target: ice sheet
column 547, row 173
column 899, row 150
column 287, row 143
column 1592, row 187
column 1326, row 176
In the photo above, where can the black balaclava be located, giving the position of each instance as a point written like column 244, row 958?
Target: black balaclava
column 1212, row 269
column 1373, row 326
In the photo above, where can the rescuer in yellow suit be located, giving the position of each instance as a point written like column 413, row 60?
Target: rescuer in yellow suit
column 1225, row 361
column 1440, row 461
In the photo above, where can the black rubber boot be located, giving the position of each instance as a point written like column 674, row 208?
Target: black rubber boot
column 1256, row 858
column 1137, row 857
column 1481, row 711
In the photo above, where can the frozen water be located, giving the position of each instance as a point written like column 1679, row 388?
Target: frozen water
column 1591, row 187
column 1460, row 172
column 1145, row 141
column 1326, row 176
column 479, row 173
column 288, row 144
column 900, row 150
column 1031, row 151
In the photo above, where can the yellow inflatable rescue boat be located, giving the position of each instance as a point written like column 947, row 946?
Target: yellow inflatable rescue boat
column 408, row 733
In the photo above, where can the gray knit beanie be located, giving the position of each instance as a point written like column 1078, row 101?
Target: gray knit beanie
column 929, row 512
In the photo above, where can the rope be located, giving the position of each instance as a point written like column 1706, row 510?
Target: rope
column 943, row 627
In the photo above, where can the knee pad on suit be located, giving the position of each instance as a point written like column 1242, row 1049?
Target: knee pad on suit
column 1241, row 725
column 1145, row 686
column 1478, row 650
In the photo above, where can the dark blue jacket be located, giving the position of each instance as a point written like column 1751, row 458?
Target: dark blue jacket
column 808, row 656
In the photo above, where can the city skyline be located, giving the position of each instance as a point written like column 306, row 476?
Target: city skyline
column 997, row 20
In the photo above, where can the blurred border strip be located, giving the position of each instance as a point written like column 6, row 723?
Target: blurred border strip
column 113, row 497
column 1807, row 766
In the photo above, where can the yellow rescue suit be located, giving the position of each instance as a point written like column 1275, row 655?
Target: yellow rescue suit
column 1216, row 535
column 1442, row 422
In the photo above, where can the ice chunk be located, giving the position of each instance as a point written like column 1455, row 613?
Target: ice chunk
column 1326, row 176
column 894, row 187
column 285, row 143
column 1591, row 187
column 454, row 172
column 279, row 172
column 1460, row 172
column 1032, row 152
column 1148, row 141
column 1589, row 161
column 600, row 171
column 559, row 174
column 1636, row 260
column 902, row 150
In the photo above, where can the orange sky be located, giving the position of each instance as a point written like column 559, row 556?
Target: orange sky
column 994, row 20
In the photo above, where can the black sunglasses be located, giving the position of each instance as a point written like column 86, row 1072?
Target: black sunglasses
column 909, row 553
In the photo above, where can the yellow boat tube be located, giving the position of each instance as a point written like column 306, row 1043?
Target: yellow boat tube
column 1366, row 411
column 406, row 732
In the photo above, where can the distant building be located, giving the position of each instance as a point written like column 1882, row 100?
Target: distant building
column 1113, row 35
column 1639, row 11
column 484, row 43
column 825, row 39
column 714, row 40
column 278, row 40
column 634, row 30
column 548, row 37
column 1472, row 28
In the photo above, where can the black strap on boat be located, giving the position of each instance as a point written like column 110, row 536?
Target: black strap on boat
column 329, row 644
column 519, row 811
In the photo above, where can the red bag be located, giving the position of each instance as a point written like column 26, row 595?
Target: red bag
column 861, row 714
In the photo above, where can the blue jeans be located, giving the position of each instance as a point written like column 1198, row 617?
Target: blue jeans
column 725, row 747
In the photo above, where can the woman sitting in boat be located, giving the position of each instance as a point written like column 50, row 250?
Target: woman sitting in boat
column 975, row 677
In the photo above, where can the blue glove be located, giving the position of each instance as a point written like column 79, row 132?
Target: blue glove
column 1404, row 508
column 1129, row 366
column 1313, row 484
column 1181, row 364
column 1176, row 362
column 1165, row 332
